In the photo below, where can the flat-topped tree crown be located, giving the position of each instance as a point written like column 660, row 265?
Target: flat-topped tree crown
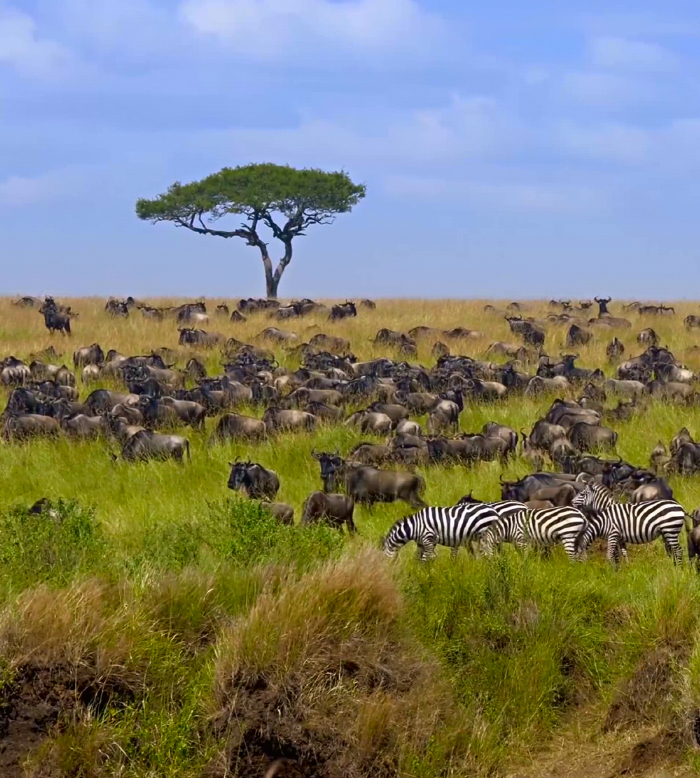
column 284, row 199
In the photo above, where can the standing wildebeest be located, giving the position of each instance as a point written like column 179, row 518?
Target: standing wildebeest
column 256, row 482
column 615, row 349
column 343, row 311
column 366, row 484
column 55, row 320
column 89, row 355
column 694, row 540
column 334, row 509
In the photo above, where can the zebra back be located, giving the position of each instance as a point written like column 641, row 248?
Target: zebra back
column 450, row 526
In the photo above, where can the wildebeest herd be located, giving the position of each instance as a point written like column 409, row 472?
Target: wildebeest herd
column 573, row 496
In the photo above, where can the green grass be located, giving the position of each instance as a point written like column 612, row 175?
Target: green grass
column 180, row 621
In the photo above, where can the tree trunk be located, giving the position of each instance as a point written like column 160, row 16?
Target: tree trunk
column 272, row 280
column 271, row 285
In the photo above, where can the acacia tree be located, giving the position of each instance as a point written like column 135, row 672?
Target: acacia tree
column 284, row 199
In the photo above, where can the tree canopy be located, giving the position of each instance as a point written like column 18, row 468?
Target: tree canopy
column 284, row 199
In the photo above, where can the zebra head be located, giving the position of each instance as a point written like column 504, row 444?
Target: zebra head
column 584, row 499
column 595, row 498
column 397, row 537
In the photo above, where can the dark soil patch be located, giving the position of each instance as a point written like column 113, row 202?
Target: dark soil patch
column 29, row 708
column 39, row 700
column 647, row 754
column 649, row 689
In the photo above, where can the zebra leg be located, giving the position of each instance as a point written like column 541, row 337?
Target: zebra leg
column 613, row 549
column 673, row 547
column 569, row 544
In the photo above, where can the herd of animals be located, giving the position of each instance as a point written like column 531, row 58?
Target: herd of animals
column 580, row 498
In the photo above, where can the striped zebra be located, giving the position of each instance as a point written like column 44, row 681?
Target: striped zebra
column 544, row 527
column 622, row 523
column 454, row 527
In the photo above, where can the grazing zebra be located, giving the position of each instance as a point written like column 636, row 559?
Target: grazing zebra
column 622, row 523
column 546, row 527
column 454, row 526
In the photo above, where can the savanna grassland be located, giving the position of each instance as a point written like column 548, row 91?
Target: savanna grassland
column 161, row 626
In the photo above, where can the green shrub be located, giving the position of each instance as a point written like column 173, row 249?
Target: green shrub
column 49, row 547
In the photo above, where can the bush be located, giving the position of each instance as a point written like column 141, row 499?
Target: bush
column 49, row 547
column 236, row 532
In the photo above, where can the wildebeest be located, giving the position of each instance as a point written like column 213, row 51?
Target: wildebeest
column 342, row 311
column 145, row 444
column 88, row 355
column 615, row 349
column 29, row 425
column 370, row 304
column 193, row 337
column 591, row 437
column 278, row 419
column 366, row 484
column 280, row 510
column 55, row 320
column 577, row 336
column 694, row 540
column 255, row 481
column 235, row 426
column 523, row 490
column 335, row 509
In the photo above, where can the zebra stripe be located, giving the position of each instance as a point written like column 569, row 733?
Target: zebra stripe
column 454, row 526
column 544, row 527
column 621, row 523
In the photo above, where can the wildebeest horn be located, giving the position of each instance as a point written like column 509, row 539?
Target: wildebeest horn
column 500, row 477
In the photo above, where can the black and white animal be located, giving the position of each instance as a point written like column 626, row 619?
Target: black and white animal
column 623, row 523
column 455, row 526
column 544, row 528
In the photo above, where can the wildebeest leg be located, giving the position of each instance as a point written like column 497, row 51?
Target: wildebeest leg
column 350, row 524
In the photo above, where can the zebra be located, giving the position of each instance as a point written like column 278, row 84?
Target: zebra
column 544, row 527
column 622, row 523
column 454, row 526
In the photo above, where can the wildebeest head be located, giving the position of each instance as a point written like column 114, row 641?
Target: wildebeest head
column 330, row 465
column 239, row 475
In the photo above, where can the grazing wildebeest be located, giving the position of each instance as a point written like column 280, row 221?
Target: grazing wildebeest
column 192, row 337
column 277, row 419
column 280, row 510
column 235, row 426
column 370, row 304
column 29, row 425
column 366, row 484
column 145, row 444
column 335, row 509
column 255, row 481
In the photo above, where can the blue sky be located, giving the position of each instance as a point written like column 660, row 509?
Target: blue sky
column 510, row 149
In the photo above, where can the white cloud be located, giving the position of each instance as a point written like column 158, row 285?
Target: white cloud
column 466, row 128
column 614, row 142
column 22, row 49
column 271, row 29
column 595, row 88
column 623, row 54
column 508, row 195
column 21, row 191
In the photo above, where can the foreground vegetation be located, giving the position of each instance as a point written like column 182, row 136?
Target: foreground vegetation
column 158, row 626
